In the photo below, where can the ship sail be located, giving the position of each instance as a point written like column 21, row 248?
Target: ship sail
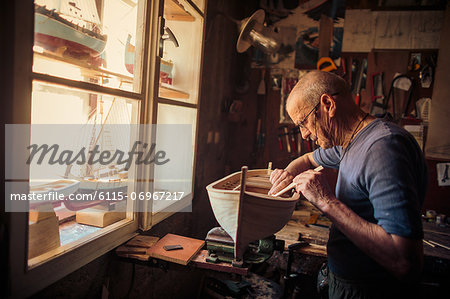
column 85, row 10
column 106, row 129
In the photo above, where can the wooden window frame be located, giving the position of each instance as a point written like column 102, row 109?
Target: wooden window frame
column 24, row 281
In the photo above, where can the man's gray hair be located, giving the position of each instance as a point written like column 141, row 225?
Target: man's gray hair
column 316, row 83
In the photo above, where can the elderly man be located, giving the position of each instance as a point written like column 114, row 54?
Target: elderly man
column 375, row 241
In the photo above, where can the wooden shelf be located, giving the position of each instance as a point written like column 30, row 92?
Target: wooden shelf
column 86, row 69
column 174, row 11
column 170, row 93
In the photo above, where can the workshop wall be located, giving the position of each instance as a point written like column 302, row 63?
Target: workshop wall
column 260, row 142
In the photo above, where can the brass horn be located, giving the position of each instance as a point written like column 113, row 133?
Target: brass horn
column 252, row 32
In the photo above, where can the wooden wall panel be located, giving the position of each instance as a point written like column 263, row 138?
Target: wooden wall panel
column 438, row 143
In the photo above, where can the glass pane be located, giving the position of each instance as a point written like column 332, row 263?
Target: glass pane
column 170, row 114
column 90, row 40
column 91, row 194
column 181, row 146
column 180, row 66
column 200, row 4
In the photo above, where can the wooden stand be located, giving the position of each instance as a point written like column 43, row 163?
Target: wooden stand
column 43, row 231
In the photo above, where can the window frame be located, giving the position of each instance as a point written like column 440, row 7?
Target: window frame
column 149, row 219
column 24, row 281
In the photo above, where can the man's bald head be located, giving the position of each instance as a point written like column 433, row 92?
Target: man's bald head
column 312, row 86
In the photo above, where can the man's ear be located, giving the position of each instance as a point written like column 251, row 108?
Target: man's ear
column 329, row 104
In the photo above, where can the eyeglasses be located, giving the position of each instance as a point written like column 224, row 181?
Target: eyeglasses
column 301, row 124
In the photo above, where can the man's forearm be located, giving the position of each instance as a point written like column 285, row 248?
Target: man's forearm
column 401, row 256
column 301, row 164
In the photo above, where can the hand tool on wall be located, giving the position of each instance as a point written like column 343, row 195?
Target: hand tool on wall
column 326, row 64
column 166, row 34
column 286, row 136
column 262, row 84
column 299, row 140
column 280, row 142
column 258, row 133
column 293, row 143
column 392, row 93
column 378, row 106
column 360, row 79
column 427, row 71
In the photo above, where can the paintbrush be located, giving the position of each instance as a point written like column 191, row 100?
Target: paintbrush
column 292, row 185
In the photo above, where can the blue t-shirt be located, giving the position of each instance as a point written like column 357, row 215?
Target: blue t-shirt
column 382, row 178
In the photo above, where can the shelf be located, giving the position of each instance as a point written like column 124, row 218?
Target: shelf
column 87, row 70
column 170, row 92
column 174, row 11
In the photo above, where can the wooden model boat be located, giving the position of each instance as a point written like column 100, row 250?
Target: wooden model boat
column 248, row 214
column 65, row 187
column 72, row 27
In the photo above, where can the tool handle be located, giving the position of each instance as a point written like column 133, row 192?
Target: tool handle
column 292, row 185
column 357, row 99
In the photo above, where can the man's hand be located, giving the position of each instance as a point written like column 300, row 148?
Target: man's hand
column 314, row 186
column 279, row 178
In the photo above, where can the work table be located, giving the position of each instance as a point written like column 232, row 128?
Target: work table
column 439, row 234
column 298, row 229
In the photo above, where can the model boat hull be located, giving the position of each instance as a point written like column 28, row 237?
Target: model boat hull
column 253, row 215
column 64, row 187
column 55, row 35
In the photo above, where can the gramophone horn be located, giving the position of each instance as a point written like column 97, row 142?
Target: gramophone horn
column 252, row 32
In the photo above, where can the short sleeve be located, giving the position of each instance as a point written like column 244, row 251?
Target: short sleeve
column 393, row 181
column 329, row 157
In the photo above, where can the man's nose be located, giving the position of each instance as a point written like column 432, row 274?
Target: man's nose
column 305, row 133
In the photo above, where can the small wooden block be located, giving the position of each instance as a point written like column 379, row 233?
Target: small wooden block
column 130, row 250
column 182, row 256
column 41, row 212
column 301, row 216
column 313, row 219
column 99, row 218
column 43, row 236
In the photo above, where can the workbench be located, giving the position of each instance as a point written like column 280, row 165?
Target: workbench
column 298, row 229
column 306, row 261
column 435, row 233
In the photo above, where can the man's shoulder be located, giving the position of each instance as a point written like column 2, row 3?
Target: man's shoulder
column 386, row 132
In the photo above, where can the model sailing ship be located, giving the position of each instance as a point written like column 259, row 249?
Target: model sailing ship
column 244, row 210
column 105, row 130
column 69, row 27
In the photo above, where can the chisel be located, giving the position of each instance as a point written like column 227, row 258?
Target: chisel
column 292, row 185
